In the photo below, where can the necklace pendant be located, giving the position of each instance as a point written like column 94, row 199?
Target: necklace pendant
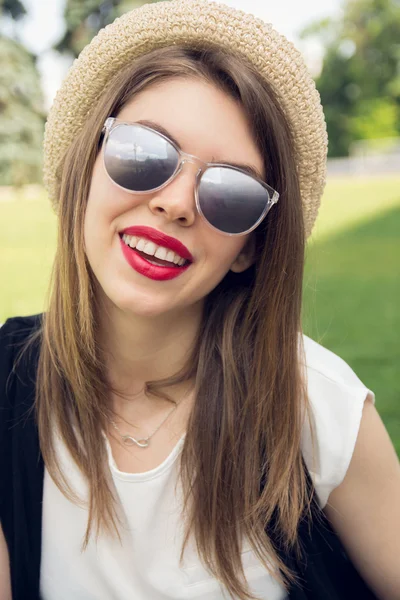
column 143, row 443
column 130, row 441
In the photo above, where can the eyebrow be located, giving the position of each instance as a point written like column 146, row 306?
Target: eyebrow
column 250, row 169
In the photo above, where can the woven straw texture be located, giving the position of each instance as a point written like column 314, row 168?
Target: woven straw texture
column 190, row 21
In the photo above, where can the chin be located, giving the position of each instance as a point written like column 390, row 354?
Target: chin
column 139, row 304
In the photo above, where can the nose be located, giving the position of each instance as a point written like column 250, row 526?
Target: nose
column 176, row 201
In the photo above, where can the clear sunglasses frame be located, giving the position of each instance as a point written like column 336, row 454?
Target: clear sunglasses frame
column 183, row 157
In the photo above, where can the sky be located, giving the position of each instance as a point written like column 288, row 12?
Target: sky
column 43, row 26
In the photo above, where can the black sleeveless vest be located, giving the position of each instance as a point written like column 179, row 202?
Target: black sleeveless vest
column 325, row 572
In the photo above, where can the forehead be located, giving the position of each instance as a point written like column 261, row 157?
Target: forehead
column 203, row 119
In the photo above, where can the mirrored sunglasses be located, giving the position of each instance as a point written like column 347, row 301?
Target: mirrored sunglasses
column 141, row 160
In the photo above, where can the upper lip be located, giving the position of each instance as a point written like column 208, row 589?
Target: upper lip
column 159, row 238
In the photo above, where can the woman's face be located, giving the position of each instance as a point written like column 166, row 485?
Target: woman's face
column 208, row 124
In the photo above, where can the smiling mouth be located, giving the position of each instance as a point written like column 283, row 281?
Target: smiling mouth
column 155, row 260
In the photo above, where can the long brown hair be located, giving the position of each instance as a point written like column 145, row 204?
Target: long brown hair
column 250, row 398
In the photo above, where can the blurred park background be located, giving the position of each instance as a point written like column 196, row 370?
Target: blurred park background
column 352, row 276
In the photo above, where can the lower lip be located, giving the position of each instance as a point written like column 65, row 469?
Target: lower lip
column 144, row 267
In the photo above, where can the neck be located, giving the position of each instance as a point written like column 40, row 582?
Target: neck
column 141, row 348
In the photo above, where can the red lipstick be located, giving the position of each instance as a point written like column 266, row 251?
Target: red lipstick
column 153, row 235
column 146, row 268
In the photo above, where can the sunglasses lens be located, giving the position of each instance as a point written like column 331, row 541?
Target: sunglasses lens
column 138, row 159
column 230, row 200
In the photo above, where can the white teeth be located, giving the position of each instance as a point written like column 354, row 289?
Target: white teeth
column 152, row 249
column 149, row 248
column 133, row 241
column 130, row 240
column 170, row 256
column 161, row 253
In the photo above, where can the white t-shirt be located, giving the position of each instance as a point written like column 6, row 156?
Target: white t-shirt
column 145, row 565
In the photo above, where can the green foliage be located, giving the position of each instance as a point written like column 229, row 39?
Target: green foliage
column 360, row 79
column 12, row 8
column 21, row 115
column 84, row 18
column 375, row 114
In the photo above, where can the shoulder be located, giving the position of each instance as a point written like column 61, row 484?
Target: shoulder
column 19, row 326
column 15, row 333
column 336, row 398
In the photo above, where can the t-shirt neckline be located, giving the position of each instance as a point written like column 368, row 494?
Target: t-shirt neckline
column 146, row 475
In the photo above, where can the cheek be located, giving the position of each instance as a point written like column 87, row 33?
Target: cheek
column 221, row 255
column 225, row 250
column 106, row 203
column 99, row 214
column 102, row 191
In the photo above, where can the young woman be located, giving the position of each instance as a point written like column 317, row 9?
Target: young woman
column 186, row 429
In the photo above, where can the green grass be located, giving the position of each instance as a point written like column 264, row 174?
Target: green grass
column 27, row 245
column 348, row 202
column 351, row 306
column 351, row 285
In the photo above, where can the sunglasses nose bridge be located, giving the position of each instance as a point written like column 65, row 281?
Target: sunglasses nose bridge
column 190, row 158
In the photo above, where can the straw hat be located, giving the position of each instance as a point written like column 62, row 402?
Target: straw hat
column 190, row 21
